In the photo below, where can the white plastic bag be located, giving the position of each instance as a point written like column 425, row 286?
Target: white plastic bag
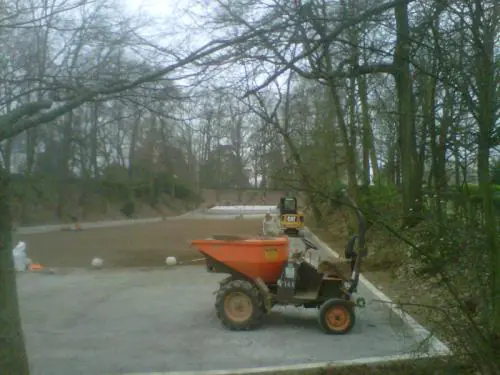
column 20, row 258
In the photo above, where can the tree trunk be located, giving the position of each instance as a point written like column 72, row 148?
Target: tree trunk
column 484, row 37
column 390, row 166
column 349, row 147
column 369, row 154
column 7, row 154
column 406, row 109
column 351, row 127
column 31, row 142
column 457, row 171
column 133, row 145
column 441, row 179
column 397, row 169
column 430, row 118
column 13, row 357
column 7, row 150
column 63, row 172
column 93, row 139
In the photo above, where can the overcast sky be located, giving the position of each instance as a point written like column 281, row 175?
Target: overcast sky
column 171, row 14
column 153, row 7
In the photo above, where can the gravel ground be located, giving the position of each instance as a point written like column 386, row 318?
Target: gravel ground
column 118, row 321
column 122, row 320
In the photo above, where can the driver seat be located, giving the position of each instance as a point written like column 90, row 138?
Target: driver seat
column 341, row 267
column 336, row 268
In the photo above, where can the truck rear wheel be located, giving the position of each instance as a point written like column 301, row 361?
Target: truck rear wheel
column 336, row 316
column 239, row 305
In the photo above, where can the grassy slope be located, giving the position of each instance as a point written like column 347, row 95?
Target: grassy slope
column 42, row 208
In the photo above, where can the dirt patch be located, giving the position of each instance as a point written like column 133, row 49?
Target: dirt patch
column 141, row 245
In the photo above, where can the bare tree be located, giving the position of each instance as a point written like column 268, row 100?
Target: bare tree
column 58, row 96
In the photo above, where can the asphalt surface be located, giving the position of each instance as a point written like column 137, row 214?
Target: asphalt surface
column 124, row 321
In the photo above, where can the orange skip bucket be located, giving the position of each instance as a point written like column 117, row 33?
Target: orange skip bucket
column 253, row 257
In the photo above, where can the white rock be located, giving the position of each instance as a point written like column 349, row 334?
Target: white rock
column 97, row 262
column 171, row 261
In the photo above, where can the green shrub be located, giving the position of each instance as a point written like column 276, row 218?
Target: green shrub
column 128, row 209
column 380, row 202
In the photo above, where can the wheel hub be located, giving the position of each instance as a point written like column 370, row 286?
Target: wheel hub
column 238, row 307
column 337, row 318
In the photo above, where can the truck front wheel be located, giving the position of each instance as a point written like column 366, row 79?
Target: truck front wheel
column 239, row 305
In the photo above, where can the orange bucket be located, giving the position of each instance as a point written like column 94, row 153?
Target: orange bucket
column 253, row 257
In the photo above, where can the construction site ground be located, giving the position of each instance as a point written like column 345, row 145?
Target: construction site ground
column 140, row 245
column 138, row 315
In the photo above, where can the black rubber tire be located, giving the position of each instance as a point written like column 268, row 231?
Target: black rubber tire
column 244, row 287
column 226, row 280
column 327, row 306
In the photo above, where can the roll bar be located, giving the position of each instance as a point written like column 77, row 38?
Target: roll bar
column 361, row 224
column 361, row 248
column 357, row 241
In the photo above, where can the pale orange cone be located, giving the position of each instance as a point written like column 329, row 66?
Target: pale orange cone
column 36, row 267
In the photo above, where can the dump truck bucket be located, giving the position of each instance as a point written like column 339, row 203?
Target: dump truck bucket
column 252, row 257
